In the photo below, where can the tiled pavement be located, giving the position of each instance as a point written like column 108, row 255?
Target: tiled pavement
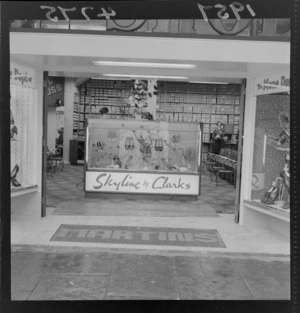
column 65, row 191
column 85, row 272
column 92, row 274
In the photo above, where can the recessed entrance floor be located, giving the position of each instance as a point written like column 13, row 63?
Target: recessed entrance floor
column 65, row 193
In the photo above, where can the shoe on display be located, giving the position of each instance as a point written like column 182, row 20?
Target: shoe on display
column 266, row 196
column 13, row 176
column 287, row 204
column 273, row 196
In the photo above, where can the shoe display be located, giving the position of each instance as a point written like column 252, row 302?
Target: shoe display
column 266, row 195
column 273, row 196
column 13, row 176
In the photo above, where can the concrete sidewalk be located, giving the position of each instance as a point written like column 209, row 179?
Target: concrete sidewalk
column 77, row 273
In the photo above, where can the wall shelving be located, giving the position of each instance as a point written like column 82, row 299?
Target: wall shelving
column 176, row 102
column 206, row 103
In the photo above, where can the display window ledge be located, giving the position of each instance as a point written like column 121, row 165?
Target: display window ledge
column 268, row 210
column 23, row 190
column 94, row 169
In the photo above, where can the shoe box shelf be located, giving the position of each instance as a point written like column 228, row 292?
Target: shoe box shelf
column 96, row 94
column 206, row 103
column 176, row 102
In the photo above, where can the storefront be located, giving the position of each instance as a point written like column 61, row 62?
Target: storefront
column 203, row 97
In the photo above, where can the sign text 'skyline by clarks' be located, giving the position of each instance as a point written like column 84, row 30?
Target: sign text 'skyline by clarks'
column 142, row 183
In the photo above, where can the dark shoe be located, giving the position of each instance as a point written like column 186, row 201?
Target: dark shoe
column 273, row 196
column 266, row 195
column 13, row 176
column 287, row 204
column 15, row 183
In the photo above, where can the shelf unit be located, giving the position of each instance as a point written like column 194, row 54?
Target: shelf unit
column 76, row 104
column 96, row 94
column 206, row 103
column 176, row 102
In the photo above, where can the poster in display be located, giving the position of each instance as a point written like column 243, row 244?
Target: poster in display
column 258, row 181
column 272, row 84
column 22, row 76
column 123, row 182
column 55, row 92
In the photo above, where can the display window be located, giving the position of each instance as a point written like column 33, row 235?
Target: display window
column 22, row 119
column 271, row 154
column 147, row 145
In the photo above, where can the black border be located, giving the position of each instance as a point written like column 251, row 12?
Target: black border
column 145, row 9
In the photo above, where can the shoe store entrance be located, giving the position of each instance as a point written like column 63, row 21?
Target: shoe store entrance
column 131, row 148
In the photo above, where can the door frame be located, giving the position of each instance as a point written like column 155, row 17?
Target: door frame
column 240, row 154
column 44, row 147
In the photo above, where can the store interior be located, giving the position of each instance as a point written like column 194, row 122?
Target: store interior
column 176, row 141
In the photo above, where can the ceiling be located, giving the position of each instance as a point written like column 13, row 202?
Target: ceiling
column 73, row 55
column 70, row 66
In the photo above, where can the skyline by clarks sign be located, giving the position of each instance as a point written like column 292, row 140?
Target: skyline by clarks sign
column 272, row 84
column 142, row 183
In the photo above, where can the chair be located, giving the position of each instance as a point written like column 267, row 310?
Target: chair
column 57, row 158
column 51, row 166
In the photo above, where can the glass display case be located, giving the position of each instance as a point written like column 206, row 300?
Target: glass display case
column 142, row 156
column 270, row 187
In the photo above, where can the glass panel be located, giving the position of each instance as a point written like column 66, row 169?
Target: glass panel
column 271, row 159
column 143, row 145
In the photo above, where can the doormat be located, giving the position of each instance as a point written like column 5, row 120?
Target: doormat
column 161, row 236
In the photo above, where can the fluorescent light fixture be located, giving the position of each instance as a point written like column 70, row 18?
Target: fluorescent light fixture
column 102, row 78
column 133, row 76
column 198, row 82
column 146, row 64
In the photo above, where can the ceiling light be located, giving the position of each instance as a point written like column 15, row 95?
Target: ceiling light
column 101, row 78
column 219, row 83
column 133, row 76
column 146, row 64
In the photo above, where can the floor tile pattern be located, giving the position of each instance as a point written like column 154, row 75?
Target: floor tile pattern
column 65, row 192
